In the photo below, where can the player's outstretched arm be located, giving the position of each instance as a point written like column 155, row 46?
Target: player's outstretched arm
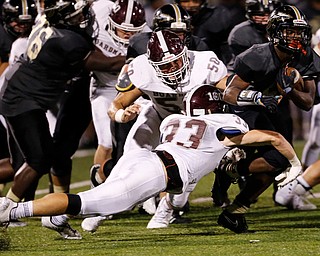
column 97, row 61
column 265, row 137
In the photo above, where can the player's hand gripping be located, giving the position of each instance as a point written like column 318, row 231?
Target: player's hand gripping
column 286, row 80
column 269, row 102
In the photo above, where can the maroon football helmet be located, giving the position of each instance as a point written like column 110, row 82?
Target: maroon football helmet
column 126, row 15
column 169, row 57
column 202, row 100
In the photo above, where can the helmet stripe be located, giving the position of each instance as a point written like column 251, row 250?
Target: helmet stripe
column 129, row 12
column 162, row 42
column 296, row 11
column 24, row 7
column 265, row 3
column 177, row 12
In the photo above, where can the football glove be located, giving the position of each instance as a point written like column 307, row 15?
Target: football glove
column 288, row 175
column 286, row 80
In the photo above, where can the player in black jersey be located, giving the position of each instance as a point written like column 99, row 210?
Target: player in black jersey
column 17, row 20
column 242, row 37
column 213, row 23
column 59, row 49
column 253, row 94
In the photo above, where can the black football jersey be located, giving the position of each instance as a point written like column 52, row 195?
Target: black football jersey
column 259, row 66
column 6, row 41
column 213, row 24
column 243, row 36
column 54, row 56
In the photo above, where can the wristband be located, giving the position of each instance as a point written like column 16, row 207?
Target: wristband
column 295, row 161
column 118, row 115
column 248, row 98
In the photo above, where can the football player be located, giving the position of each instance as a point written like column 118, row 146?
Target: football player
column 126, row 18
column 165, row 74
column 224, row 14
column 58, row 48
column 242, row 37
column 253, row 94
column 17, row 19
column 204, row 133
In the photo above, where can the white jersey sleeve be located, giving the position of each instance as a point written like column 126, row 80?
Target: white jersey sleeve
column 18, row 48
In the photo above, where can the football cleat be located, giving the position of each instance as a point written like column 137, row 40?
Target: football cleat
column 235, row 222
column 6, row 205
column 219, row 190
column 93, row 171
column 162, row 216
column 176, row 218
column 16, row 224
column 150, row 205
column 301, row 203
column 64, row 230
column 91, row 224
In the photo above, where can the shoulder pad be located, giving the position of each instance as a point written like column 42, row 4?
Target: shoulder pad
column 124, row 84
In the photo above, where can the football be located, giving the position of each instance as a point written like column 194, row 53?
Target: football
column 298, row 81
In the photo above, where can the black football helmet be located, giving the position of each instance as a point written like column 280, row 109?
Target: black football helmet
column 288, row 28
column 126, row 15
column 174, row 18
column 260, row 8
column 18, row 16
column 69, row 14
column 169, row 57
column 203, row 100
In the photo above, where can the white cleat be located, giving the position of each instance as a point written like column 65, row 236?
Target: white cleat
column 285, row 194
column 92, row 224
column 6, row 205
column 162, row 216
column 150, row 205
column 64, row 230
column 301, row 203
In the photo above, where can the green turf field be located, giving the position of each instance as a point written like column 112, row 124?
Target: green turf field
column 277, row 231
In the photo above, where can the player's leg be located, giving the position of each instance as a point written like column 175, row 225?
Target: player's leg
column 101, row 98
column 311, row 149
column 31, row 131
column 73, row 118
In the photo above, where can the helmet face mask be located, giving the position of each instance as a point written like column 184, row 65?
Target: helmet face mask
column 203, row 100
column 126, row 19
column 18, row 16
column 258, row 11
column 169, row 57
column 70, row 14
column 289, row 30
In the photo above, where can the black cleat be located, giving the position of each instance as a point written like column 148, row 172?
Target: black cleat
column 235, row 222
column 176, row 218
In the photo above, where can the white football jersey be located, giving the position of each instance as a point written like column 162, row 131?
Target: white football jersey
column 205, row 68
column 193, row 142
column 104, row 41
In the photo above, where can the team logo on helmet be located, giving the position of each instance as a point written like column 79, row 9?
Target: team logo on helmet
column 202, row 100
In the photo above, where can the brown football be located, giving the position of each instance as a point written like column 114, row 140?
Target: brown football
column 298, row 85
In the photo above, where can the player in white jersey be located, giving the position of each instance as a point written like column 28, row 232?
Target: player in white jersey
column 141, row 173
column 117, row 23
